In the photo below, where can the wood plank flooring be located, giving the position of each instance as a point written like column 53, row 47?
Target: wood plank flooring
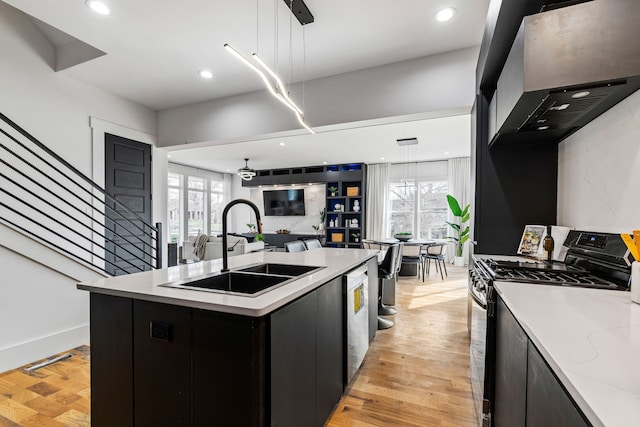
column 415, row 374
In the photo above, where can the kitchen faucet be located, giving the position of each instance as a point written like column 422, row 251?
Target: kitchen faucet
column 225, row 256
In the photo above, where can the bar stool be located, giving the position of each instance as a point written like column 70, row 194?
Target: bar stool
column 386, row 270
column 295, row 246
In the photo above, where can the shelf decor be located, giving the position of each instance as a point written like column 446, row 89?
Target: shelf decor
column 336, row 237
column 353, row 191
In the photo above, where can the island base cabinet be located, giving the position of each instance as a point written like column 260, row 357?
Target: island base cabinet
column 111, row 361
column 548, row 405
column 229, row 370
column 307, row 368
column 162, row 363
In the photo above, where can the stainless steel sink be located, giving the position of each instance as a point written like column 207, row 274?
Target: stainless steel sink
column 252, row 280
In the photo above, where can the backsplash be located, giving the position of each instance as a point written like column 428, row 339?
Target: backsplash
column 599, row 172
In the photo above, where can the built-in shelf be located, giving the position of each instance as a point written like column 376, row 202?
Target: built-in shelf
column 349, row 182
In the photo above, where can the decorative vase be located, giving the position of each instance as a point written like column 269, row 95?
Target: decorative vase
column 356, row 206
column 458, row 261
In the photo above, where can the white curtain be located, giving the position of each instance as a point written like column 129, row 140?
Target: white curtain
column 377, row 201
column 459, row 186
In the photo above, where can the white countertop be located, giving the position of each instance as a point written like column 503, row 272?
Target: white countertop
column 145, row 285
column 591, row 340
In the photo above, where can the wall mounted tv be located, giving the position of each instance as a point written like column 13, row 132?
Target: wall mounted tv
column 283, row 202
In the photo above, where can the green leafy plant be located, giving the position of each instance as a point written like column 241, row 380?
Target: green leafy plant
column 259, row 237
column 252, row 227
column 355, row 235
column 462, row 232
column 333, row 190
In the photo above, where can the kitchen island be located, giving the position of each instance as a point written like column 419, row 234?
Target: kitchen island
column 173, row 356
column 580, row 351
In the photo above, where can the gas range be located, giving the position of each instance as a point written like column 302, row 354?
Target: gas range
column 547, row 273
column 594, row 260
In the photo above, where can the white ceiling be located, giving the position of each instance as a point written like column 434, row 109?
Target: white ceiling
column 154, row 48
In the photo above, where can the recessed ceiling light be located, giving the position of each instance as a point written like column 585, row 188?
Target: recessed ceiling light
column 446, row 152
column 168, row 156
column 445, row 14
column 282, row 144
column 324, row 163
column 205, row 74
column 228, row 170
column 581, row 94
column 545, row 127
column 98, row 7
column 381, row 158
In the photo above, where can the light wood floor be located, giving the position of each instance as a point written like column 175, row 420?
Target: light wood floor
column 415, row 374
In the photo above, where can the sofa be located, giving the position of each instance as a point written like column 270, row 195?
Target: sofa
column 236, row 245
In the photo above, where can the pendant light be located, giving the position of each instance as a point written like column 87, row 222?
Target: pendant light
column 277, row 88
column 246, row 173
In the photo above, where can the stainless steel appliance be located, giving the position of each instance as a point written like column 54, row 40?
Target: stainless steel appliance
column 594, row 260
column 357, row 311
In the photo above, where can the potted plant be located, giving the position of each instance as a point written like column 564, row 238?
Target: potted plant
column 356, row 237
column 259, row 237
column 252, row 228
column 333, row 190
column 461, row 231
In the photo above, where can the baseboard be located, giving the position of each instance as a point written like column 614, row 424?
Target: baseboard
column 28, row 352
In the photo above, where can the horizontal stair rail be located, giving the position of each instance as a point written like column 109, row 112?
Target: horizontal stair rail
column 48, row 199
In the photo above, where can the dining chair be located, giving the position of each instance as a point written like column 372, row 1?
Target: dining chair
column 295, row 246
column 368, row 244
column 436, row 252
column 312, row 244
column 411, row 255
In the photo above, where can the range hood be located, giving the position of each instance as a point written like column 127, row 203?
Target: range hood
column 566, row 67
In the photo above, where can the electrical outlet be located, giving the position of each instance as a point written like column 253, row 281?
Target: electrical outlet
column 160, row 330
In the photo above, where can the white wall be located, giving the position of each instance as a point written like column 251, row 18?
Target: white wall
column 439, row 82
column 314, row 200
column 41, row 311
column 599, row 172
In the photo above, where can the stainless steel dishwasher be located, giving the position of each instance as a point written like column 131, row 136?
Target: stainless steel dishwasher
column 357, row 306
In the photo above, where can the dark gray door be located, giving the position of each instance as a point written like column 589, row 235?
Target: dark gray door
column 128, row 180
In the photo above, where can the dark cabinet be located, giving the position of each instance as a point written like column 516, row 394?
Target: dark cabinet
column 162, row 363
column 548, row 405
column 307, row 358
column 157, row 364
column 527, row 392
column 329, row 348
column 511, row 370
column 111, row 361
column 229, row 369
column 293, row 363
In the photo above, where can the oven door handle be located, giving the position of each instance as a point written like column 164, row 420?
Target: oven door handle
column 475, row 297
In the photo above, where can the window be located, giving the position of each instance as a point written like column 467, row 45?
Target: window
column 174, row 203
column 403, row 204
column 419, row 207
column 195, row 201
column 433, row 209
column 216, row 206
column 195, row 206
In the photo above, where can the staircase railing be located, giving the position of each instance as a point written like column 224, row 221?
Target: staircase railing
column 47, row 198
